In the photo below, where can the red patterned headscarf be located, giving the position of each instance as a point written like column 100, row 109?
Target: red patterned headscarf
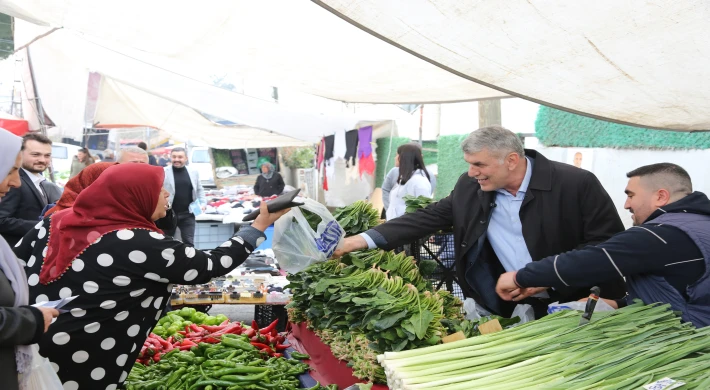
column 77, row 184
column 123, row 197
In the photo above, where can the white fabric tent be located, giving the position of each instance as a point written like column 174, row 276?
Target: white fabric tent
column 635, row 61
column 62, row 62
column 180, row 121
column 285, row 43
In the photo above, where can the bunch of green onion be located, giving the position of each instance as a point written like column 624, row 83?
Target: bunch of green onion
column 622, row 349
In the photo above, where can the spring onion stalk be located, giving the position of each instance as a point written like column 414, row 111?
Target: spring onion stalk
column 623, row 349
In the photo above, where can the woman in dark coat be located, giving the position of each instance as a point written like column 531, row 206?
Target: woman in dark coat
column 269, row 182
column 20, row 325
column 107, row 251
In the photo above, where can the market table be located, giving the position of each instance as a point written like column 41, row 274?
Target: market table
column 326, row 368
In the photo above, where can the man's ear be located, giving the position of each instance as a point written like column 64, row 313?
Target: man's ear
column 513, row 160
column 662, row 198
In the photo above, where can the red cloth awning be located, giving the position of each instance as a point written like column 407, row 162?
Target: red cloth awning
column 14, row 125
column 326, row 368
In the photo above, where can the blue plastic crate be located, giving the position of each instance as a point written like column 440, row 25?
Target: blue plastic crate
column 269, row 238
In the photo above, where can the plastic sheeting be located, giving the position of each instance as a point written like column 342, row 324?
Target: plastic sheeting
column 637, row 61
column 286, row 43
column 180, row 121
column 63, row 60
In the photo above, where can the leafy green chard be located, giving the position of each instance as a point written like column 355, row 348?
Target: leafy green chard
column 414, row 203
column 357, row 217
column 374, row 301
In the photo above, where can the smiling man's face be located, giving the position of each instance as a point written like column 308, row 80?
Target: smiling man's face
column 491, row 171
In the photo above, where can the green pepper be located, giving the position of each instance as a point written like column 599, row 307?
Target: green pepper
column 299, row 356
column 211, row 382
column 187, row 357
column 244, row 378
column 237, row 344
column 239, row 370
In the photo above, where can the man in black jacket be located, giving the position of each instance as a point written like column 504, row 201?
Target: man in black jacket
column 514, row 206
column 21, row 208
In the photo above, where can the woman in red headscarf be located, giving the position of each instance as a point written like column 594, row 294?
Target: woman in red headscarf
column 77, row 184
column 107, row 251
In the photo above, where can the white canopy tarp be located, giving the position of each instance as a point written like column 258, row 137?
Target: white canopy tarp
column 285, row 43
column 181, row 122
column 639, row 62
column 62, row 62
column 636, row 61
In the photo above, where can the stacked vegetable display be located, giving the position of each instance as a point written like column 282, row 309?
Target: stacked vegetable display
column 176, row 321
column 623, row 349
column 357, row 217
column 267, row 339
column 371, row 302
column 232, row 363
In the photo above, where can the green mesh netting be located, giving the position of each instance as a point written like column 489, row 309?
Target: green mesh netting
column 558, row 128
column 451, row 164
column 384, row 145
column 430, row 156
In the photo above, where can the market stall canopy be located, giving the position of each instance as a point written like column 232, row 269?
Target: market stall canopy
column 637, row 62
column 13, row 124
column 131, row 105
column 140, row 93
column 284, row 43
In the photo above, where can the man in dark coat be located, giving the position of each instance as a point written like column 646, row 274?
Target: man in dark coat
column 21, row 208
column 514, row 206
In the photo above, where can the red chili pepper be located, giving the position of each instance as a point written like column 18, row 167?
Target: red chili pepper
column 188, row 342
column 211, row 340
column 186, row 347
column 254, row 325
column 249, row 332
column 261, row 346
column 281, row 347
column 170, row 340
column 235, row 330
column 213, row 329
column 164, row 343
column 156, row 357
column 182, row 332
column 274, row 332
column 277, row 355
column 269, row 328
column 267, row 351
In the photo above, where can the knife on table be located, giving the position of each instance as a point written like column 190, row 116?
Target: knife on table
column 591, row 304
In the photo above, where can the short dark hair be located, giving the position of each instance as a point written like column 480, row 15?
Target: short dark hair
column 665, row 175
column 179, row 149
column 142, row 145
column 35, row 136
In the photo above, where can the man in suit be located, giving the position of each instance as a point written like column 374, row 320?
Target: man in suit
column 185, row 188
column 20, row 210
column 513, row 207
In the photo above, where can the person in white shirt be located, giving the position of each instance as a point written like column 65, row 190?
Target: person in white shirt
column 413, row 179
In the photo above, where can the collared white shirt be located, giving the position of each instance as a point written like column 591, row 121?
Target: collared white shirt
column 37, row 178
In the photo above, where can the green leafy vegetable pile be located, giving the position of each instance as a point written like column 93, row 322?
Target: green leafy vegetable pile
column 371, row 302
column 357, row 217
column 415, row 203
column 622, row 349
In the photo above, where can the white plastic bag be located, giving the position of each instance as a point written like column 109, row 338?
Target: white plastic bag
column 474, row 312
column 577, row 305
column 525, row 312
column 296, row 245
column 42, row 375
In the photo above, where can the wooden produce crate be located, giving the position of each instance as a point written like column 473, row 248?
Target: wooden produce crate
column 176, row 299
column 244, row 298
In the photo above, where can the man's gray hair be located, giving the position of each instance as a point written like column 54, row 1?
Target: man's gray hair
column 496, row 139
column 131, row 149
column 668, row 176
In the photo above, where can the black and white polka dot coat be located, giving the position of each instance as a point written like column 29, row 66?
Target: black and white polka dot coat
column 123, row 281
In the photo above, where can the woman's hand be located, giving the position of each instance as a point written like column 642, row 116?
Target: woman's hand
column 49, row 314
column 265, row 218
